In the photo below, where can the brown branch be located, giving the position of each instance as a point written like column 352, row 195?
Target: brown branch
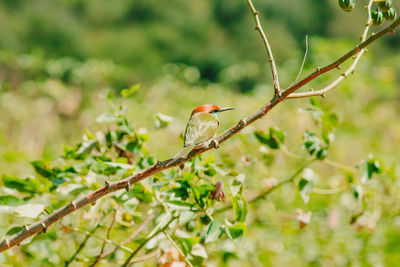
column 107, row 237
column 349, row 71
column 126, row 183
column 267, row 46
column 389, row 29
column 130, row 238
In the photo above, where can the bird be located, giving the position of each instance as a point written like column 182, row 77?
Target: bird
column 201, row 128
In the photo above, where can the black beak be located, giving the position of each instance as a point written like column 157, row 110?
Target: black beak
column 225, row 109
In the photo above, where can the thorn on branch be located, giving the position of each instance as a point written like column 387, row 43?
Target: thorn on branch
column 323, row 95
column 338, row 67
column 73, row 205
column 25, row 227
column 256, row 28
column 44, row 227
column 7, row 243
column 107, row 183
column 344, row 75
column 128, row 186
column 318, row 69
column 373, row 34
column 93, row 203
column 256, row 12
column 242, row 122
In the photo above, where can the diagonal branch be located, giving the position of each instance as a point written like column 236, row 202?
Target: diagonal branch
column 126, row 183
column 358, row 48
column 267, row 46
column 349, row 71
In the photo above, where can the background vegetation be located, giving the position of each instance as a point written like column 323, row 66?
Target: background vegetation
column 65, row 62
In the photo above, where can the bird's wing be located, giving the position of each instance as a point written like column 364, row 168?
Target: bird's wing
column 201, row 127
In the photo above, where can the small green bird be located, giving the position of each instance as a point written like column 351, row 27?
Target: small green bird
column 201, row 128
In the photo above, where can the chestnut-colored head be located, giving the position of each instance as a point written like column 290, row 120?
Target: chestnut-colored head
column 211, row 109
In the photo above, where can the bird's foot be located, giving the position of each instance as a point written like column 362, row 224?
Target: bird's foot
column 176, row 161
column 214, row 143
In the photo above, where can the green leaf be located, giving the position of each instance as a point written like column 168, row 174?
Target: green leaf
column 275, row 132
column 181, row 205
column 30, row 210
column 237, row 184
column 209, row 170
column 107, row 118
column 163, row 120
column 14, row 230
column 43, row 168
column 237, row 230
column 129, row 91
column 186, row 216
column 315, row 102
column 199, row 251
column 273, row 139
column 239, row 204
column 314, row 145
column 214, row 231
column 9, row 200
column 369, row 167
column 306, row 184
column 22, row 185
column 357, row 191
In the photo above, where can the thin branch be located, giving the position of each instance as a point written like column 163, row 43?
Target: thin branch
column 267, row 46
column 358, row 48
column 269, row 190
column 108, row 238
column 178, row 249
column 130, row 238
column 133, row 260
column 81, row 246
column 98, row 237
column 128, row 260
column 329, row 162
column 126, row 183
column 302, row 64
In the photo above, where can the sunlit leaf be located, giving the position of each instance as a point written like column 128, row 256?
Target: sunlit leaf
column 237, row 230
column 215, row 230
column 129, row 91
column 306, row 184
column 30, row 210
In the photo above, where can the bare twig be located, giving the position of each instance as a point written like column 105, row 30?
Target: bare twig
column 358, row 49
column 268, row 47
column 302, row 64
column 87, row 233
column 178, row 249
column 81, row 246
column 108, row 238
column 126, row 183
column 130, row 238
column 269, row 190
column 128, row 260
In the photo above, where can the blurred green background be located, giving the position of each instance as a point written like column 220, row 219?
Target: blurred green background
column 60, row 58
